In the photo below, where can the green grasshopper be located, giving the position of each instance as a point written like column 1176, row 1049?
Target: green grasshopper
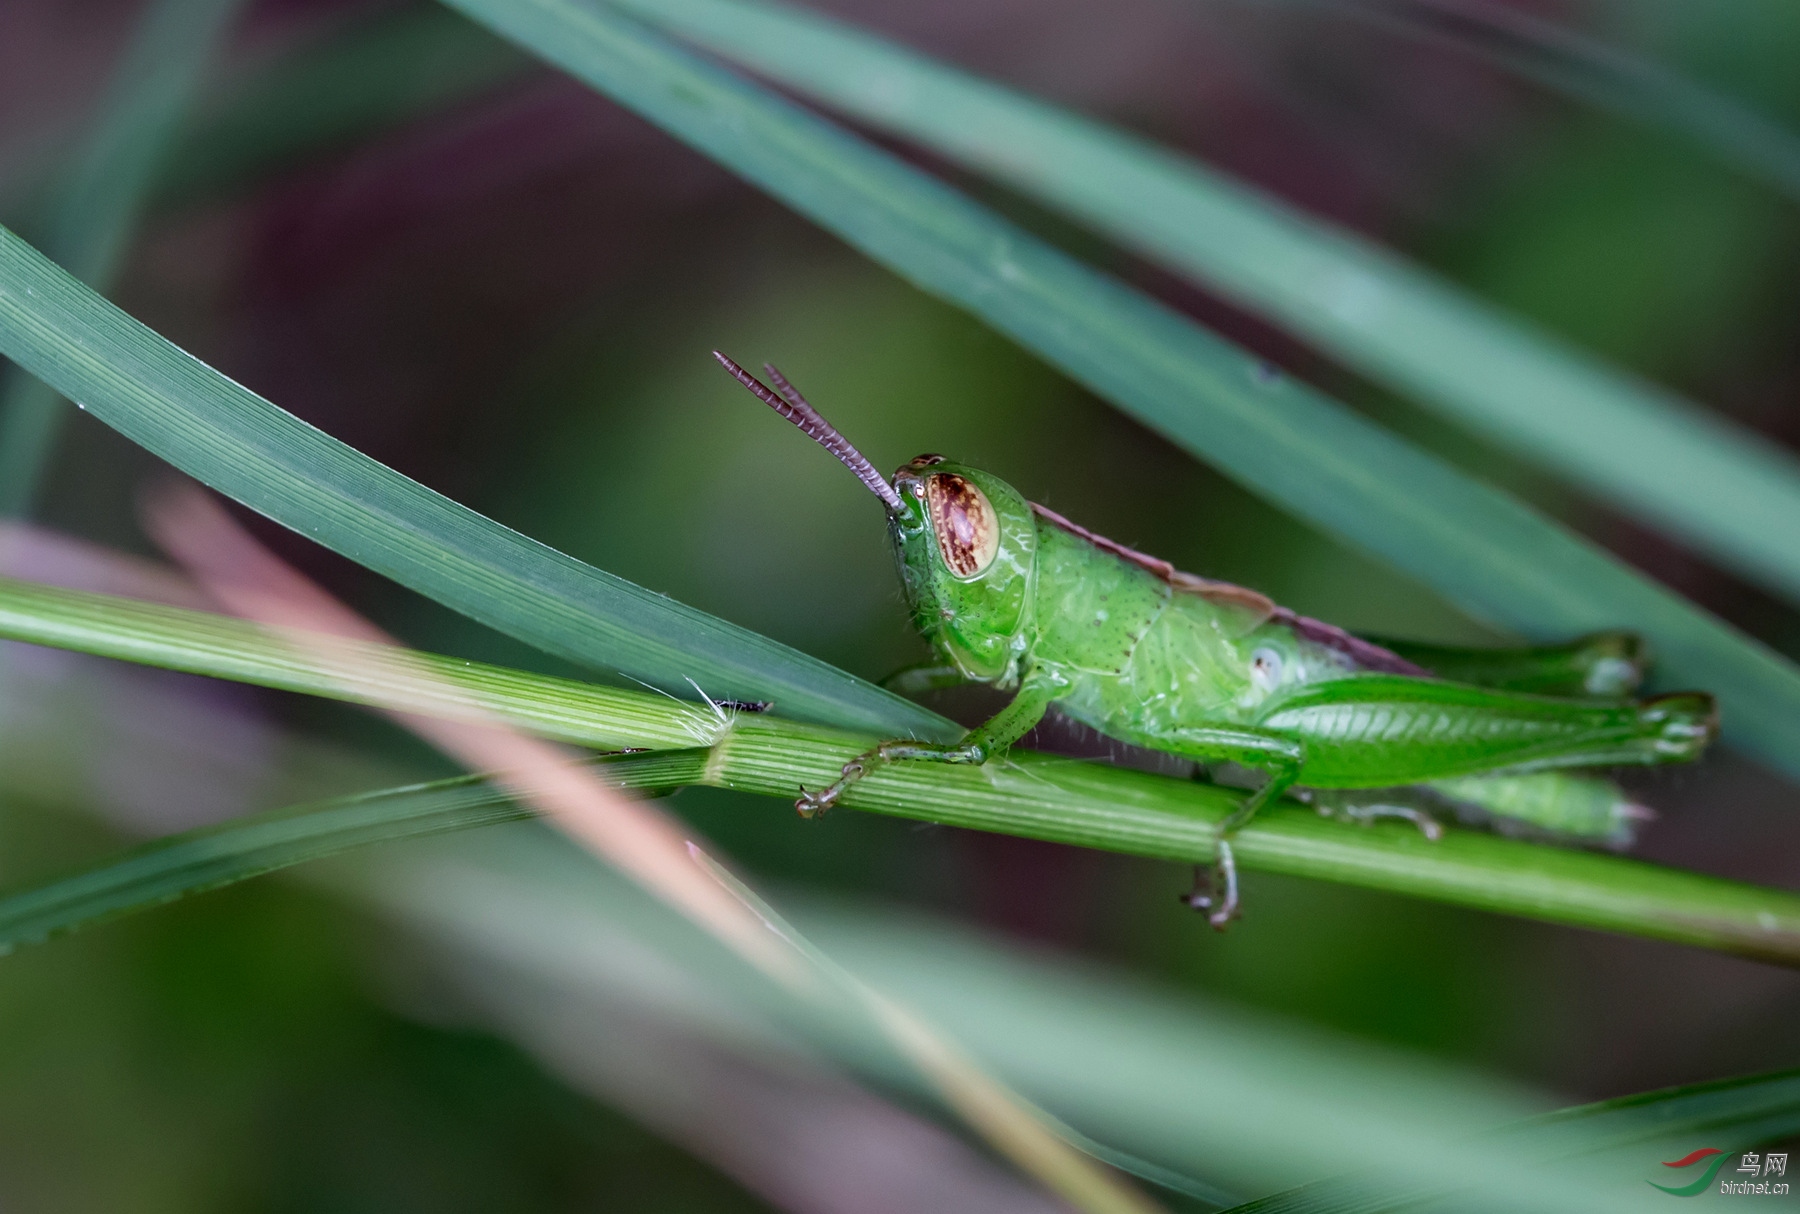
column 1014, row 595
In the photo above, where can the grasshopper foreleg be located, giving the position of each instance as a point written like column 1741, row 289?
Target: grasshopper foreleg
column 985, row 741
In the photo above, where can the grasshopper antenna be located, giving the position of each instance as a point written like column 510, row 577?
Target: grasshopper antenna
column 791, row 405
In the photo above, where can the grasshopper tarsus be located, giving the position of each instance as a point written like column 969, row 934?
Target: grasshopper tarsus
column 1222, row 875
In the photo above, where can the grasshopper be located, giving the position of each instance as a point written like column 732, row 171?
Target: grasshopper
column 1012, row 594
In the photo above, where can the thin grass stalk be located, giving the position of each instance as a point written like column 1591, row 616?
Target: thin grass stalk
column 1031, row 795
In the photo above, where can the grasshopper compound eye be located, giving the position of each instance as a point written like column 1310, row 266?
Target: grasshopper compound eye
column 967, row 529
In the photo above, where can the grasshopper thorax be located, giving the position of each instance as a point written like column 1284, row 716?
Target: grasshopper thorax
column 966, row 542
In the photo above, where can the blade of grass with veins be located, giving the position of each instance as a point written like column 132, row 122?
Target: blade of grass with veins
column 1032, row 795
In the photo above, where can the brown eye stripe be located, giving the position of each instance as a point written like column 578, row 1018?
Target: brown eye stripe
column 968, row 534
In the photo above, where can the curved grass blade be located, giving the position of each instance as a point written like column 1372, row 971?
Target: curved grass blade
column 199, row 860
column 1736, row 1112
column 226, row 436
column 94, row 210
column 1481, row 548
column 224, row 647
column 1727, row 491
column 1589, row 70
column 1031, row 795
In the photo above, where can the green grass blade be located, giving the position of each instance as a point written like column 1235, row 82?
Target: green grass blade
column 1589, row 70
column 1733, row 1112
column 227, row 648
column 375, row 75
column 1727, row 491
column 216, row 856
column 94, row 210
column 223, row 434
column 1484, row 550
column 1031, row 795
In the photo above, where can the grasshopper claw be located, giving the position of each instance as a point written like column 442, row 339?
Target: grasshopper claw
column 1199, row 898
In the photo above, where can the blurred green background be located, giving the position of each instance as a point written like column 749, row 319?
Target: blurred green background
column 509, row 292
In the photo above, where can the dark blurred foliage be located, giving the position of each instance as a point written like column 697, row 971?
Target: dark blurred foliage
column 512, row 299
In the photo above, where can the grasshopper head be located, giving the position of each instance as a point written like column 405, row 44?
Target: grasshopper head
column 965, row 538
column 966, row 541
